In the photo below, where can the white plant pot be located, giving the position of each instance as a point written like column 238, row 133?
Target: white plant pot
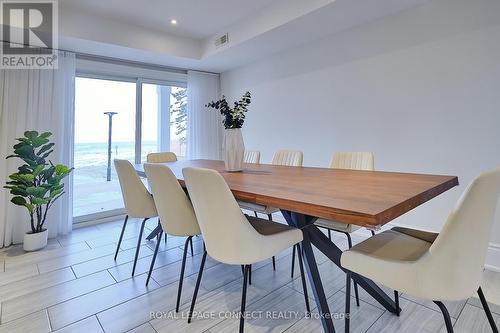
column 35, row 241
column 234, row 149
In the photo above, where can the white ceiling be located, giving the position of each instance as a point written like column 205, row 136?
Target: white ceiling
column 196, row 19
column 141, row 30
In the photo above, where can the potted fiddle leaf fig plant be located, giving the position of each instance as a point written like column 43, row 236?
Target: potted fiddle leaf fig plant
column 234, row 147
column 37, row 184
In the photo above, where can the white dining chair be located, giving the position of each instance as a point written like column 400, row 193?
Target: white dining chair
column 176, row 213
column 232, row 237
column 161, row 157
column 252, row 156
column 137, row 200
column 288, row 158
column 439, row 267
column 283, row 158
column 351, row 161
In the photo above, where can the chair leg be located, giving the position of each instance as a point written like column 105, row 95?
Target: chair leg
column 303, row 277
column 255, row 213
column 246, row 274
column 191, row 244
column 396, row 300
column 121, row 236
column 486, row 309
column 347, row 302
column 373, row 232
column 138, row 245
column 356, row 291
column 349, row 239
column 159, row 226
column 329, row 234
column 293, row 260
column 165, row 240
column 158, row 240
column 249, row 275
column 446, row 316
column 270, row 218
column 198, row 280
column 181, row 278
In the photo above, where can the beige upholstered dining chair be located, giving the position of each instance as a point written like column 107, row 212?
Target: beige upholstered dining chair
column 252, row 156
column 137, row 200
column 440, row 267
column 176, row 213
column 281, row 157
column 284, row 158
column 352, row 161
column 234, row 238
column 161, row 157
column 288, row 158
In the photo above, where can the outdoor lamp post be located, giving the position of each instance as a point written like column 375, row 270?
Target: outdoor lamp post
column 110, row 130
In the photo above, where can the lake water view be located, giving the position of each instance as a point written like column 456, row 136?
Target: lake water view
column 92, row 192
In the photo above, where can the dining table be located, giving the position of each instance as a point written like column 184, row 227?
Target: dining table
column 369, row 199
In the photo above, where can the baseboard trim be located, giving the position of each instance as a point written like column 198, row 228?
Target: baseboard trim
column 98, row 221
column 493, row 258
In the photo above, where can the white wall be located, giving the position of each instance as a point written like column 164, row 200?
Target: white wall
column 421, row 89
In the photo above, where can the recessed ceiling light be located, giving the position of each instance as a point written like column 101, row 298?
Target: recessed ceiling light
column 173, row 21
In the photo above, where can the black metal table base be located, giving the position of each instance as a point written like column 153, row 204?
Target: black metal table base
column 314, row 236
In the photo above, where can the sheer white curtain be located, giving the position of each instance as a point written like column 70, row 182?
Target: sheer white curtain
column 42, row 100
column 204, row 131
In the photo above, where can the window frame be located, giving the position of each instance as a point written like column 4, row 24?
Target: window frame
column 116, row 71
column 138, row 110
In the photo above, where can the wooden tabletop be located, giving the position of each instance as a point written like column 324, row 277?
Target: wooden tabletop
column 366, row 198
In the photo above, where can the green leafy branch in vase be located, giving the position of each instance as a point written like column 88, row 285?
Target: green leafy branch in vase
column 233, row 118
column 37, row 184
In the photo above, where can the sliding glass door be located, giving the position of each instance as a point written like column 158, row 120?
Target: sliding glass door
column 120, row 119
column 92, row 192
column 164, row 119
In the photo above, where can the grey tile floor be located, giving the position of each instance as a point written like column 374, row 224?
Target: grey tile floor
column 74, row 285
